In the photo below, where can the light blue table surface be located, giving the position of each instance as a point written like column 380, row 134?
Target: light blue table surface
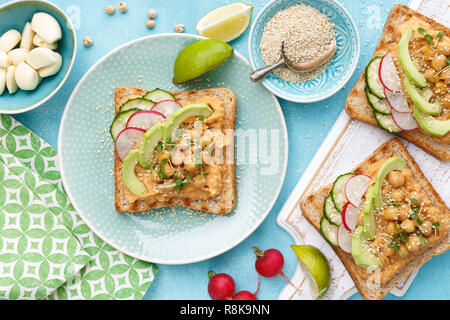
column 307, row 127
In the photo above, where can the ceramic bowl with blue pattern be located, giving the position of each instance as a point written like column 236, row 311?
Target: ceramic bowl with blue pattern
column 14, row 15
column 335, row 76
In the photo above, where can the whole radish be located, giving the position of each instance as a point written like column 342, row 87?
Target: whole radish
column 247, row 295
column 269, row 263
column 244, row 295
column 221, row 286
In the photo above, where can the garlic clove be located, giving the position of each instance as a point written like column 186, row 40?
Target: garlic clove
column 11, row 84
column 2, row 80
column 46, row 27
column 9, row 40
column 27, row 37
column 26, row 77
column 53, row 68
column 40, row 57
column 4, row 60
column 16, row 56
column 39, row 42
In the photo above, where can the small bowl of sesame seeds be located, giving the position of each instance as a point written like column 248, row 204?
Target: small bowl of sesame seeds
column 306, row 27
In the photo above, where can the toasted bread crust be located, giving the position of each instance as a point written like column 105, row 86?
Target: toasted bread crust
column 221, row 204
column 311, row 208
column 357, row 105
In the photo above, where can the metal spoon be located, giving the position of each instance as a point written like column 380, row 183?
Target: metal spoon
column 295, row 66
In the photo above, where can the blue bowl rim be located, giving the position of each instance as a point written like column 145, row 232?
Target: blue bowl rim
column 102, row 236
column 288, row 97
column 72, row 60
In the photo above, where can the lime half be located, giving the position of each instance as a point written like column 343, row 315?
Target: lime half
column 200, row 57
column 226, row 23
column 316, row 268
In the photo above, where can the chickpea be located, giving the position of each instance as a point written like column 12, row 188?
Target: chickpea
column 110, row 9
column 206, row 158
column 430, row 75
column 179, row 28
column 414, row 243
column 403, row 251
column 405, row 212
column 446, row 101
column 391, row 213
column 170, row 171
column 439, row 62
column 429, row 53
column 396, row 195
column 387, row 251
column 177, row 157
column 440, row 87
column 392, row 228
column 87, row 41
column 426, row 228
column 432, row 213
column 445, row 75
column 408, row 225
column 150, row 24
column 396, row 179
column 417, row 196
column 164, row 154
column 123, row 7
column 151, row 13
column 443, row 47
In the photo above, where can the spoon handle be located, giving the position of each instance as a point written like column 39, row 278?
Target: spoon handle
column 257, row 75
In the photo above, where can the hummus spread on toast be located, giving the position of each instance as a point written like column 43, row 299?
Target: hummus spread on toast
column 191, row 166
column 407, row 223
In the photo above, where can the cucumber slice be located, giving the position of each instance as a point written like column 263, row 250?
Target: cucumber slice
column 373, row 79
column 338, row 191
column 158, row 95
column 386, row 122
column 120, row 122
column 379, row 105
column 138, row 103
column 328, row 231
column 330, row 212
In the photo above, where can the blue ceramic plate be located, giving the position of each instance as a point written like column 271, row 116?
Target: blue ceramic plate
column 337, row 74
column 169, row 236
column 14, row 15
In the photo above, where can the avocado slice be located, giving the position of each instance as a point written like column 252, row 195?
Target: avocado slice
column 393, row 163
column 422, row 99
column 129, row 177
column 199, row 109
column 149, row 142
column 405, row 60
column 369, row 217
column 360, row 251
column 430, row 124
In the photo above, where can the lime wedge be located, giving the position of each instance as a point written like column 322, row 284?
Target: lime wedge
column 200, row 57
column 316, row 268
column 226, row 23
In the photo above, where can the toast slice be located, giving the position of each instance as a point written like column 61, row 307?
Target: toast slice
column 312, row 210
column 357, row 105
column 220, row 204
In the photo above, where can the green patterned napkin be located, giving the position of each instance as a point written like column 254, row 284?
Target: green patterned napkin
column 46, row 250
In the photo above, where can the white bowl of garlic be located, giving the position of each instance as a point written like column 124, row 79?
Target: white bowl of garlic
column 37, row 51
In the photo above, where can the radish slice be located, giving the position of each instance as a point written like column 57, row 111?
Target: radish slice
column 356, row 187
column 404, row 121
column 397, row 101
column 144, row 119
column 344, row 239
column 127, row 140
column 350, row 216
column 388, row 74
column 167, row 107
